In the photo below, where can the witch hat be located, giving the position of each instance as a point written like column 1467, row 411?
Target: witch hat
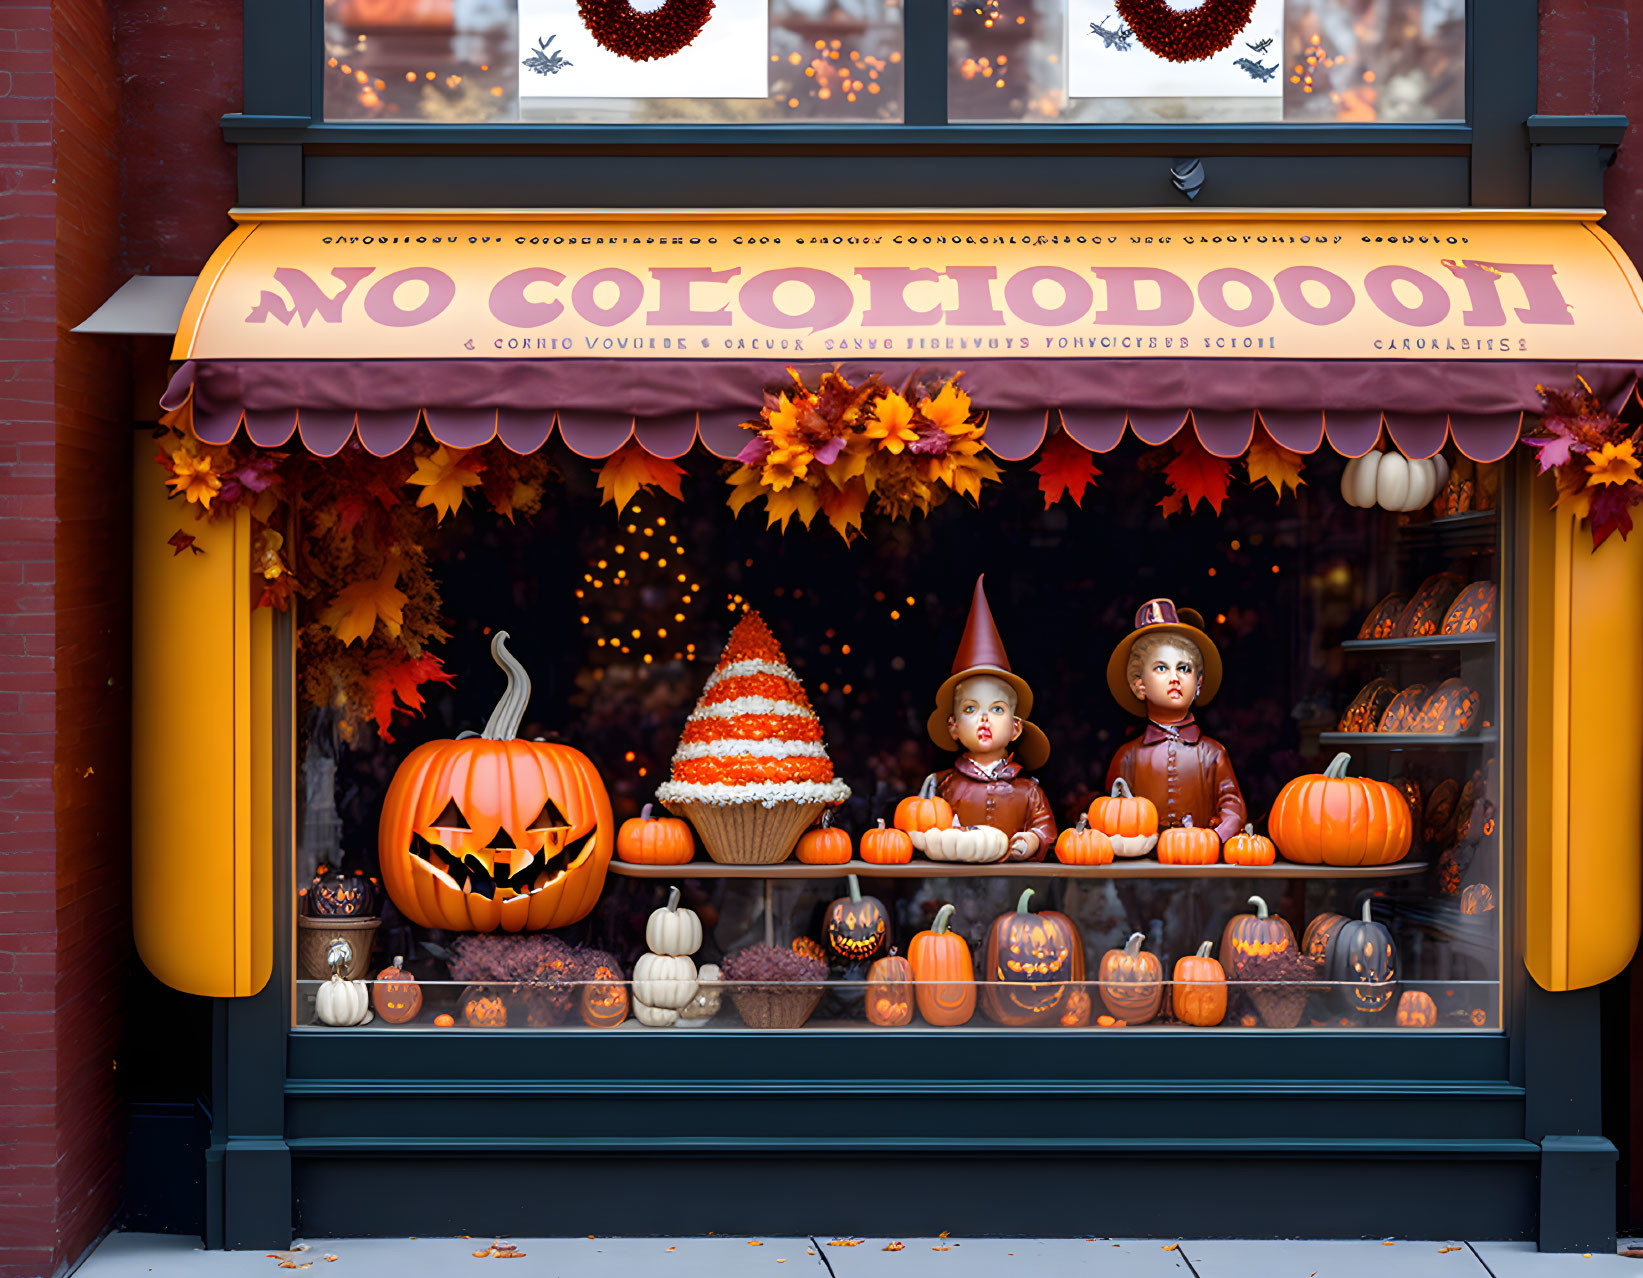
column 981, row 652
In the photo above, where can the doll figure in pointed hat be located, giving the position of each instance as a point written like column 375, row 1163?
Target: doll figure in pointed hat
column 981, row 712
column 1160, row 671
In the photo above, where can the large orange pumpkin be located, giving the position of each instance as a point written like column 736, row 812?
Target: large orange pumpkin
column 1129, row 821
column 491, row 832
column 1333, row 819
column 944, row 977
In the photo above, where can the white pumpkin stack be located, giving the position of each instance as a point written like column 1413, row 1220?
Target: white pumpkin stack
column 340, row 1001
column 665, row 980
column 1392, row 481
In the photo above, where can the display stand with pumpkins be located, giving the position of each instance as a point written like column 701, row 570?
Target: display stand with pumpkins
column 664, row 980
column 336, row 907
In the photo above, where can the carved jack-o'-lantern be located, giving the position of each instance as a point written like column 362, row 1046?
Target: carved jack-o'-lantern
column 489, row 832
column 856, row 926
column 1362, row 964
column 1032, row 963
column 340, row 896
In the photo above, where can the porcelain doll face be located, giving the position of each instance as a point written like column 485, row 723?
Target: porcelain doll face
column 983, row 721
column 1166, row 677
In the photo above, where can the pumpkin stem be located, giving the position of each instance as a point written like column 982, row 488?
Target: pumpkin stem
column 1021, row 905
column 1121, row 789
column 1250, row 830
column 827, row 819
column 672, row 899
column 1132, row 947
column 881, row 823
column 1366, row 917
column 855, row 887
column 943, row 915
column 1186, row 822
column 644, row 812
column 928, row 789
column 1337, row 765
column 1260, row 907
column 503, row 725
column 399, row 960
column 1204, row 949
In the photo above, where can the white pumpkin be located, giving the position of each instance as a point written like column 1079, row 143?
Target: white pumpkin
column 664, row 980
column 340, row 1002
column 645, row 1014
column 1391, row 481
column 974, row 844
column 706, row 1003
column 671, row 930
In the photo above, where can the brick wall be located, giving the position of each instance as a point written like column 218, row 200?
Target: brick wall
column 1591, row 63
column 110, row 164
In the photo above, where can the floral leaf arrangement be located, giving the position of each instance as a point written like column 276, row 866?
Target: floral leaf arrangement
column 551, row 976
column 360, row 564
column 1594, row 457
column 774, row 987
column 834, row 449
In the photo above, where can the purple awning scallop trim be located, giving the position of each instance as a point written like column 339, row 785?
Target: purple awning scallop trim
column 1017, row 434
column 672, row 404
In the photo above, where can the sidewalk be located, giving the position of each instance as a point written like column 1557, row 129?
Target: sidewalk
column 142, row 1255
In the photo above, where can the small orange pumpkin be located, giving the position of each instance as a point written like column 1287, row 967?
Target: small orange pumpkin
column 605, row 1004
column 824, row 845
column 809, row 947
column 1132, row 981
column 1187, row 844
column 395, row 994
column 945, row 978
column 1330, row 818
column 1320, row 933
column 1129, row 821
column 923, row 811
column 890, row 991
column 883, row 846
column 653, row 840
column 1249, row 848
column 484, row 1008
column 444, row 1020
column 1082, row 845
column 1198, row 989
column 1416, row 1010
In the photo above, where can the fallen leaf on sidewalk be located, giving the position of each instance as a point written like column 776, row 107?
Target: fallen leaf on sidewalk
column 1172, row 1246
column 1445, row 1250
column 941, row 1249
column 1635, row 1253
column 752, row 1243
column 847, row 1242
column 895, row 1246
column 330, row 1258
column 942, row 1234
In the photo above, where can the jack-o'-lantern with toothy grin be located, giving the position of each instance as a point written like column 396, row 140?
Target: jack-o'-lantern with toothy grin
column 487, row 831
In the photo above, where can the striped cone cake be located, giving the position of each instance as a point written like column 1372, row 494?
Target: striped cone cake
column 752, row 771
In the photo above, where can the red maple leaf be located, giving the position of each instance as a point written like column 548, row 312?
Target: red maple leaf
column 1064, row 469
column 1195, row 474
column 1611, row 512
column 180, row 541
column 402, row 679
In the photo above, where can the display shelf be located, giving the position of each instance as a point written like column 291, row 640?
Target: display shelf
column 1425, row 643
column 1476, row 529
column 1140, row 868
column 1409, row 740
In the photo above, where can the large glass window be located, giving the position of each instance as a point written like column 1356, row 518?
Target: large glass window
column 557, row 61
column 1340, row 631
column 1295, row 61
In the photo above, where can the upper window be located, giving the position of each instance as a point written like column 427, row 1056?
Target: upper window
column 612, row 62
column 1221, row 62
column 840, row 61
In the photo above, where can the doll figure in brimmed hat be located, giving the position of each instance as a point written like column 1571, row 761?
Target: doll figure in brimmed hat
column 1161, row 670
column 981, row 712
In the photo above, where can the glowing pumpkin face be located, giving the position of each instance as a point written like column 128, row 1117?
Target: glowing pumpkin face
column 489, row 832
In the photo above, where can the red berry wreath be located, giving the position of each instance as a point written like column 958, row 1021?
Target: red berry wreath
column 1181, row 35
column 619, row 27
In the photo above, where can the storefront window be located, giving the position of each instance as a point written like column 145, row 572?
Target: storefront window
column 1339, row 630
column 543, row 61
column 1085, row 62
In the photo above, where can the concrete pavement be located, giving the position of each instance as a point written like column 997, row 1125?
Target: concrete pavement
column 146, row 1255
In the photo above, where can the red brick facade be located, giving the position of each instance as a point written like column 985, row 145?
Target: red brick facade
column 111, row 164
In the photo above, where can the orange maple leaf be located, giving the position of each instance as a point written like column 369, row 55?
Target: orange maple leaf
column 632, row 468
column 1195, row 474
column 843, row 507
column 1064, row 469
column 1270, row 461
column 443, row 476
column 354, row 613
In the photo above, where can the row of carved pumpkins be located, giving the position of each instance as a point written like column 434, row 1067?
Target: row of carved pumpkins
column 1448, row 709
column 1033, row 971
